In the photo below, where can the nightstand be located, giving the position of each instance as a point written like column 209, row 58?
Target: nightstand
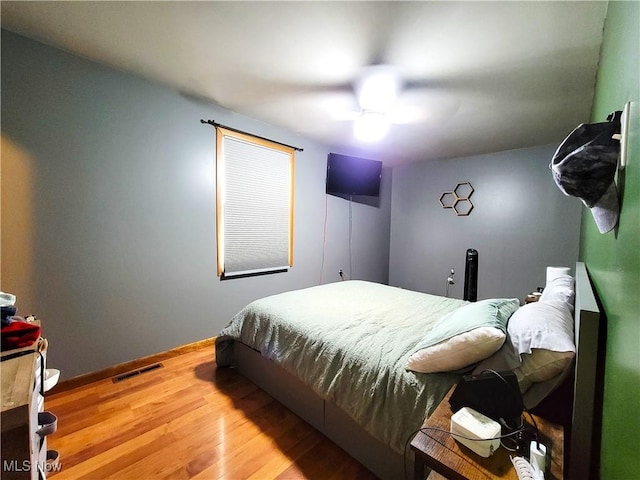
column 445, row 457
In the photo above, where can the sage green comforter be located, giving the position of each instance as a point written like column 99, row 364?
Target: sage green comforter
column 350, row 341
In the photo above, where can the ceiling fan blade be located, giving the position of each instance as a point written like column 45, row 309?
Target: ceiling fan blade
column 345, row 115
column 424, row 106
column 406, row 114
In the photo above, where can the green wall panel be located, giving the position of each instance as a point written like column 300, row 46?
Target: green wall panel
column 613, row 259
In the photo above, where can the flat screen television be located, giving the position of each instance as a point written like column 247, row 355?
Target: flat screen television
column 348, row 175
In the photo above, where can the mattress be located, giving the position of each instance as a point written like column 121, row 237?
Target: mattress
column 349, row 342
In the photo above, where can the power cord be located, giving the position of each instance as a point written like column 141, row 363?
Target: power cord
column 436, row 429
column 458, row 435
column 450, row 281
column 517, row 432
column 324, row 235
column 518, row 397
column 350, row 236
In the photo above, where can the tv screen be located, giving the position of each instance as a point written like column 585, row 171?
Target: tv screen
column 348, row 175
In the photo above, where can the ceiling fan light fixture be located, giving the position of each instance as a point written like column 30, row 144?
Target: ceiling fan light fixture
column 378, row 89
column 371, row 126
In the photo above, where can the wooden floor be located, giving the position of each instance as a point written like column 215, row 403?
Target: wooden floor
column 188, row 420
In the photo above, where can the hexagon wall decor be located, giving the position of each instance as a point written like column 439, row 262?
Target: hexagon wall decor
column 463, row 190
column 463, row 207
column 458, row 199
column 448, row 199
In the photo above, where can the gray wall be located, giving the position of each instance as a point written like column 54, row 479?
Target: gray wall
column 520, row 223
column 108, row 211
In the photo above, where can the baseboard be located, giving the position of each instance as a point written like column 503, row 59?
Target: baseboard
column 87, row 378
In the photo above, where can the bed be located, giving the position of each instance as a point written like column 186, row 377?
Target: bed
column 338, row 354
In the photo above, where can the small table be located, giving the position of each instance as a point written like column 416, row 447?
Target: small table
column 440, row 452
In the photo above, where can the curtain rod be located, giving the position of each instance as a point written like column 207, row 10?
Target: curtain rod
column 215, row 124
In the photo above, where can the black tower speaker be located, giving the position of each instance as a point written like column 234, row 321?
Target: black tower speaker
column 471, row 276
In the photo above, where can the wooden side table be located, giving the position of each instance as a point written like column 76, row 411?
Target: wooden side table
column 444, row 456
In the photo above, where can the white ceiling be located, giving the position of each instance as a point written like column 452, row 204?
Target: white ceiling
column 480, row 76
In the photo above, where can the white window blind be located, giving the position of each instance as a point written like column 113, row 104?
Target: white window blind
column 254, row 204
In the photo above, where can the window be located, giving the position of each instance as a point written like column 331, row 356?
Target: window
column 254, row 204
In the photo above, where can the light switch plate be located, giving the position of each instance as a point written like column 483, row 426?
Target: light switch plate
column 629, row 126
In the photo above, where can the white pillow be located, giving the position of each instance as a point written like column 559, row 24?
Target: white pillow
column 542, row 334
column 457, row 352
column 539, row 391
column 544, row 325
column 560, row 288
column 464, row 337
column 539, row 349
column 541, row 365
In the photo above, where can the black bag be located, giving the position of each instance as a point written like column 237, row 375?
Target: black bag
column 494, row 394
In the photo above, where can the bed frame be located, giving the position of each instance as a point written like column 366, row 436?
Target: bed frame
column 384, row 462
column 585, row 423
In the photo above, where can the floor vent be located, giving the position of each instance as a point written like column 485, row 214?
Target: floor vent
column 134, row 373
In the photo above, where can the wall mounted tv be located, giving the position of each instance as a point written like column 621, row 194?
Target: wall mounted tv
column 348, row 175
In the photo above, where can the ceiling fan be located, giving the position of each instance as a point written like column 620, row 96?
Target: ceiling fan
column 377, row 89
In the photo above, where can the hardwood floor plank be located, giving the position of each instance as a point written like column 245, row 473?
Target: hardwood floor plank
column 188, row 420
column 90, row 467
column 91, row 378
column 248, row 454
column 280, row 460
